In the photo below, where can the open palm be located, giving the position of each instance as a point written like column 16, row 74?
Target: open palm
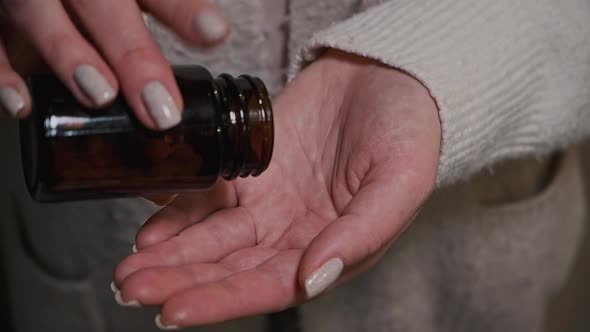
column 356, row 155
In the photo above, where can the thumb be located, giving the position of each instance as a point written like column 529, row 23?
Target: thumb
column 377, row 214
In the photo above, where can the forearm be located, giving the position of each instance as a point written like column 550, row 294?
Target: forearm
column 510, row 79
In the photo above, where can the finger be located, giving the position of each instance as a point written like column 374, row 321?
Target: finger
column 219, row 235
column 270, row 287
column 22, row 55
column 14, row 97
column 119, row 30
column 153, row 286
column 184, row 211
column 197, row 21
column 378, row 213
column 72, row 58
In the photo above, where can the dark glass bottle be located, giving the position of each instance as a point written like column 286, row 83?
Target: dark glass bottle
column 70, row 152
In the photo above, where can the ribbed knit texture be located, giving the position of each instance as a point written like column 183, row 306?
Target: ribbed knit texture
column 511, row 78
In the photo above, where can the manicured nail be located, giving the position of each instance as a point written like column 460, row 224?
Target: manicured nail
column 119, row 299
column 114, row 287
column 94, row 85
column 163, row 326
column 11, row 101
column 210, row 25
column 134, row 248
column 161, row 106
column 323, row 277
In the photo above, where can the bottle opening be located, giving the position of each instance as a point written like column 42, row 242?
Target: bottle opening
column 247, row 125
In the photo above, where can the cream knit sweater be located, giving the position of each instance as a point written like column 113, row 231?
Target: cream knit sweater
column 511, row 78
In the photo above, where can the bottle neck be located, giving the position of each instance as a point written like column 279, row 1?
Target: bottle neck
column 247, row 128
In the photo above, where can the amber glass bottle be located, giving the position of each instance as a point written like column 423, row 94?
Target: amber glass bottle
column 73, row 153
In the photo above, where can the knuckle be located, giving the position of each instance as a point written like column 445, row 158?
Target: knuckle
column 132, row 55
column 59, row 48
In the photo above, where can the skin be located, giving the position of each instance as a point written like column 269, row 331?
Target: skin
column 356, row 155
column 122, row 49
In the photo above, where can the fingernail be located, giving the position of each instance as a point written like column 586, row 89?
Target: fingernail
column 11, row 101
column 163, row 326
column 94, row 85
column 132, row 303
column 114, row 287
column 161, row 106
column 323, row 277
column 210, row 25
column 134, row 248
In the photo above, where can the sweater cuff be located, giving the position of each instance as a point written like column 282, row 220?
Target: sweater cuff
column 484, row 62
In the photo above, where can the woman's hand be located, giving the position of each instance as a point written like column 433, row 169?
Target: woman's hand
column 356, row 155
column 122, row 53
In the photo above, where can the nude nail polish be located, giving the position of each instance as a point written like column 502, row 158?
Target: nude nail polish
column 323, row 277
column 163, row 326
column 121, row 302
column 11, row 101
column 210, row 25
column 114, row 287
column 161, row 105
column 94, row 85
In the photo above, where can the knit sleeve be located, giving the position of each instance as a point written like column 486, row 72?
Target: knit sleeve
column 510, row 78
